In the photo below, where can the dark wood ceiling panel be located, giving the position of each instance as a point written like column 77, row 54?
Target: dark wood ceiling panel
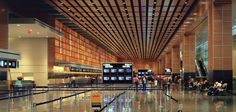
column 129, row 28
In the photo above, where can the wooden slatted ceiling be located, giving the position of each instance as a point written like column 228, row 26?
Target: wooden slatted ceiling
column 129, row 28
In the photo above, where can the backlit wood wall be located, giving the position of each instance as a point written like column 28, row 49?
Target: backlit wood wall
column 74, row 48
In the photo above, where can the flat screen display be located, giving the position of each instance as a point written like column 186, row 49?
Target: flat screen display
column 139, row 72
column 12, row 64
column 121, row 70
column 1, row 63
column 3, row 76
column 121, row 78
column 106, row 70
column 105, row 78
column 113, row 70
column 128, row 78
column 113, row 78
column 168, row 70
column 128, row 70
column 143, row 72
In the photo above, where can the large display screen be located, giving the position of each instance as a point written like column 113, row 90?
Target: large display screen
column 117, row 72
column 121, row 70
column 113, row 70
column 106, row 70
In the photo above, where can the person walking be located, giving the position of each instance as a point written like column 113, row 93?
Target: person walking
column 144, row 82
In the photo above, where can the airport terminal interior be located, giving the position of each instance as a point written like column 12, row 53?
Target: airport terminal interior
column 117, row 55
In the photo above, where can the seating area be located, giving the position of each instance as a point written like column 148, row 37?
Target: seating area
column 213, row 89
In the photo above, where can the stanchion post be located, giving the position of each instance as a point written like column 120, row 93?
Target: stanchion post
column 60, row 103
column 34, row 108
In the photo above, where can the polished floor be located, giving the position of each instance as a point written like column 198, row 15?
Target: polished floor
column 130, row 101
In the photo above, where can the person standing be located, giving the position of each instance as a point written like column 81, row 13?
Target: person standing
column 18, row 84
column 73, row 84
column 136, row 82
column 144, row 82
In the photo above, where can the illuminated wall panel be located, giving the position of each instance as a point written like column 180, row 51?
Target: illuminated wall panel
column 72, row 47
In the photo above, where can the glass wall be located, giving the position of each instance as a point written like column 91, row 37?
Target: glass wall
column 201, row 49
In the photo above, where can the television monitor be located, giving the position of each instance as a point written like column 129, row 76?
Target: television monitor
column 106, row 70
column 113, row 70
column 121, row 78
column 128, row 70
column 3, row 76
column 121, row 70
column 1, row 63
column 113, row 78
column 106, row 78
column 12, row 64
column 143, row 72
column 128, row 78
column 139, row 72
column 168, row 70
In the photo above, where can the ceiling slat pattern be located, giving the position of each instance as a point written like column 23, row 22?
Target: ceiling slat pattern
column 129, row 28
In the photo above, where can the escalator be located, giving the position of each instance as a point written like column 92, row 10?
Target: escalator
column 201, row 68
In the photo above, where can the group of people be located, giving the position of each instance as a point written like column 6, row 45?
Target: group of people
column 143, row 81
column 197, row 84
column 216, row 88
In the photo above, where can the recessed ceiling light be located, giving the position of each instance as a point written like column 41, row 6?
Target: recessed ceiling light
column 19, row 36
column 37, row 33
column 185, row 2
column 154, row 2
column 18, row 25
column 187, row 22
column 47, row 36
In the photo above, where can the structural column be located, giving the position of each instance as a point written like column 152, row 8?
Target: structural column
column 162, row 64
column 188, row 56
column 168, row 60
column 175, row 60
column 220, row 41
column 3, row 25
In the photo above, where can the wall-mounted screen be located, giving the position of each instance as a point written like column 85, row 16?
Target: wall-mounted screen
column 1, row 63
column 3, row 76
column 128, row 70
column 121, row 78
column 12, row 64
column 128, row 78
column 121, row 70
column 106, row 70
column 113, row 70
column 106, row 78
column 168, row 70
column 113, row 78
